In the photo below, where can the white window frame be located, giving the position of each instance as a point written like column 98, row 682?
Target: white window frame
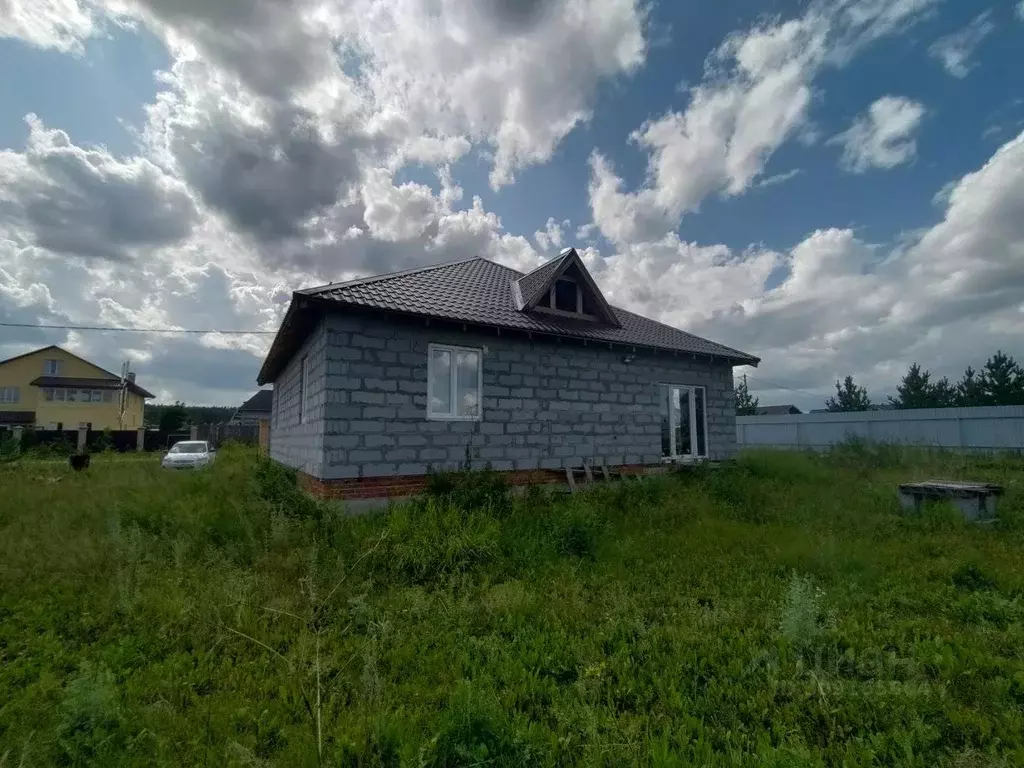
column 303, row 390
column 10, row 395
column 692, row 388
column 453, row 350
column 51, row 367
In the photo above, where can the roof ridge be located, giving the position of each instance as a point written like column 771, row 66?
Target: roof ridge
column 547, row 263
column 387, row 276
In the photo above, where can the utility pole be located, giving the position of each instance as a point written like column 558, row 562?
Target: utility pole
column 122, row 397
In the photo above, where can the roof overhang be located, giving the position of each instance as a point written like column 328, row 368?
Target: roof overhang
column 306, row 311
column 301, row 318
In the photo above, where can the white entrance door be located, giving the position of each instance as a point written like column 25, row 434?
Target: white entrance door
column 683, row 421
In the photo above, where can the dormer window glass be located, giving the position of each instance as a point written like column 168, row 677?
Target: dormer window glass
column 566, row 295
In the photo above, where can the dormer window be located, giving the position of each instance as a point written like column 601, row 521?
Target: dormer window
column 566, row 295
column 563, row 287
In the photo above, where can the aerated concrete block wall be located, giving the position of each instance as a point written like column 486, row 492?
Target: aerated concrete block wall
column 545, row 405
column 294, row 441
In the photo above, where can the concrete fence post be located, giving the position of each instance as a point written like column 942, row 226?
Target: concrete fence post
column 16, row 434
column 83, row 434
column 140, row 440
column 193, row 432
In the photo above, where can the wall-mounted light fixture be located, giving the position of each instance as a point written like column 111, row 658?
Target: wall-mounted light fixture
column 629, row 359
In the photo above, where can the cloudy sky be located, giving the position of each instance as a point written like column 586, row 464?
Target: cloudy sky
column 836, row 186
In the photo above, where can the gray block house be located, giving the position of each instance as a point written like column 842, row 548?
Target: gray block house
column 379, row 381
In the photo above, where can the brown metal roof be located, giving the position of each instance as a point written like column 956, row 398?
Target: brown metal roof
column 261, row 402
column 533, row 283
column 480, row 292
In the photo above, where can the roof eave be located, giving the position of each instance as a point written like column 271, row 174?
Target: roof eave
column 739, row 358
column 278, row 356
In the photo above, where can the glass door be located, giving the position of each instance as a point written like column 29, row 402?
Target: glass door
column 683, row 421
column 683, row 426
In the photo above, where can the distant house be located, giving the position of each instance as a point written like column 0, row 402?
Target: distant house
column 51, row 388
column 254, row 410
column 381, row 380
column 777, row 410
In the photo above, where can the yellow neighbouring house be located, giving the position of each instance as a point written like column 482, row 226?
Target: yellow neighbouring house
column 51, row 388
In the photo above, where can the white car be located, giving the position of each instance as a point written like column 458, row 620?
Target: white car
column 189, row 454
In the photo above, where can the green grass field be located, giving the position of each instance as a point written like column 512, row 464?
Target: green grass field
column 779, row 612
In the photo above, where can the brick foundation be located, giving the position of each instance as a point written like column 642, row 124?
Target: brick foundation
column 399, row 486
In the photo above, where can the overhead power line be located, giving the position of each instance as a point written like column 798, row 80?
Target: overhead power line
column 129, row 330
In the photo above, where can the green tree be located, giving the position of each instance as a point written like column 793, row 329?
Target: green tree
column 944, row 393
column 173, row 418
column 849, row 397
column 746, row 405
column 968, row 389
column 917, row 391
column 1002, row 381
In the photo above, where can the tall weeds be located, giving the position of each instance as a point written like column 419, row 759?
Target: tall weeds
column 778, row 611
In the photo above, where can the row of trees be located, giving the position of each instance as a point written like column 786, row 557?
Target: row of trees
column 999, row 382
column 178, row 416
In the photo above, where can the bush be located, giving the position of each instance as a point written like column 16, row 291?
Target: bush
column 105, row 442
column 10, row 448
column 278, row 485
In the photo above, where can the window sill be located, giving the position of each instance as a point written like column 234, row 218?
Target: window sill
column 437, row 417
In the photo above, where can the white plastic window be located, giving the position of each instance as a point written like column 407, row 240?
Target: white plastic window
column 454, row 382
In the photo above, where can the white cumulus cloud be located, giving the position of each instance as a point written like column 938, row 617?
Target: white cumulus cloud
column 755, row 96
column 59, row 24
column 882, row 137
